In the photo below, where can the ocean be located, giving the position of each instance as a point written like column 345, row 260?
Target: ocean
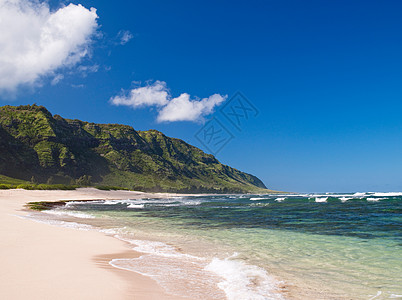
column 299, row 246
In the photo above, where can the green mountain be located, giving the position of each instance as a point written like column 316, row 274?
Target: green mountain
column 36, row 146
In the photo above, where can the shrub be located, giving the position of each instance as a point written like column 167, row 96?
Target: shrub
column 110, row 188
column 26, row 186
column 84, row 180
column 6, row 186
column 55, row 187
column 46, row 187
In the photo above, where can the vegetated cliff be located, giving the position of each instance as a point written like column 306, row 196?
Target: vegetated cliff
column 34, row 145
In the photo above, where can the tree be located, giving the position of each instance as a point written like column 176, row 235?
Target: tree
column 33, row 180
column 50, row 180
column 84, row 180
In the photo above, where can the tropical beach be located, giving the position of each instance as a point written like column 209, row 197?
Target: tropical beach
column 40, row 261
column 213, row 150
column 177, row 246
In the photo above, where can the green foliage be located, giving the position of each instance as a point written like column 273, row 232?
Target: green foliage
column 46, row 187
column 55, row 187
column 33, row 180
column 84, row 180
column 110, row 188
column 50, row 149
column 5, row 180
column 7, row 186
column 50, row 180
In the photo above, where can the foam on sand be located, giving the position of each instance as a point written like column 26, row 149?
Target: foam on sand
column 60, row 223
column 216, row 279
column 160, row 261
column 243, row 281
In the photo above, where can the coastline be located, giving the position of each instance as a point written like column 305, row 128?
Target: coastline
column 40, row 261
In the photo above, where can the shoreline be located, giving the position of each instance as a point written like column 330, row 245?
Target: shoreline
column 42, row 261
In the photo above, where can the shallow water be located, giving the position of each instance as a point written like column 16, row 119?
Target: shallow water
column 331, row 246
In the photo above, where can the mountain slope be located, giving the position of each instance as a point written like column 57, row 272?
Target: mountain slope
column 57, row 150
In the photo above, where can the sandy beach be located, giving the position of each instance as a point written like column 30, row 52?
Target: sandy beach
column 41, row 261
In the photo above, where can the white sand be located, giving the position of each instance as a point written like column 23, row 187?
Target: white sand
column 40, row 261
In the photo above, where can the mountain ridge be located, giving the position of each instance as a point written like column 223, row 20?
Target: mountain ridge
column 36, row 145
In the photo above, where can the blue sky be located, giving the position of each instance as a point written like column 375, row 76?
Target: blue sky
column 325, row 77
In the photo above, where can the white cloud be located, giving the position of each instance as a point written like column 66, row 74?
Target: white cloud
column 170, row 109
column 57, row 79
column 35, row 41
column 125, row 36
column 85, row 70
column 155, row 94
column 184, row 109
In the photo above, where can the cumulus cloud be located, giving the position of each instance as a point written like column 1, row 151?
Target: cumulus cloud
column 124, row 36
column 183, row 108
column 170, row 109
column 35, row 41
column 155, row 94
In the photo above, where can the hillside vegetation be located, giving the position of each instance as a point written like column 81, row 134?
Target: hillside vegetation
column 40, row 148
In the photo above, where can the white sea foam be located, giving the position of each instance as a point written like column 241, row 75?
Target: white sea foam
column 192, row 202
column 330, row 195
column 181, row 277
column 112, row 231
column 344, row 199
column 136, row 205
column 322, row 199
column 359, row 194
column 111, row 202
column 257, row 198
column 69, row 214
column 139, row 203
column 126, row 202
column 391, row 194
column 280, row 199
column 176, row 272
column 156, row 248
column 181, row 203
column 235, row 278
column 260, row 204
column 375, row 199
column 71, row 203
column 378, row 294
column 65, row 224
column 243, row 281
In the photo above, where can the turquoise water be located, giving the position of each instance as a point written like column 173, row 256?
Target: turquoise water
column 328, row 246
